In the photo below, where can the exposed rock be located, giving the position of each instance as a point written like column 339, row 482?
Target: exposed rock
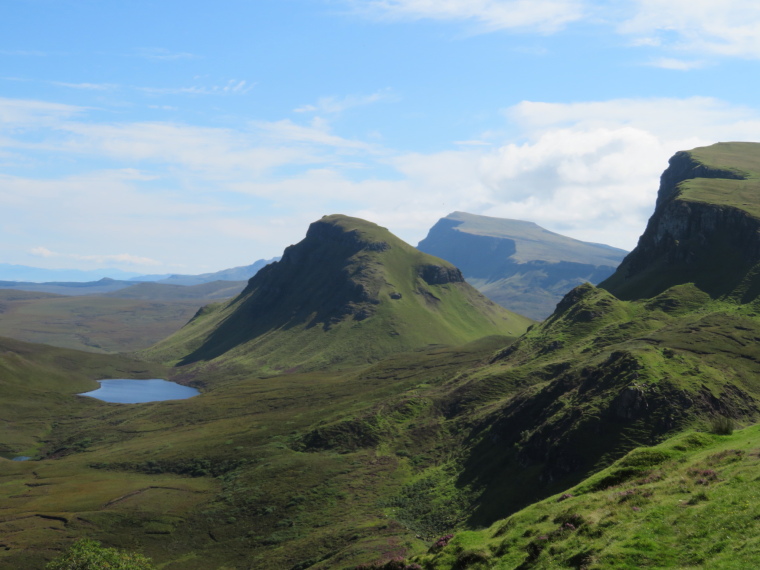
column 440, row 275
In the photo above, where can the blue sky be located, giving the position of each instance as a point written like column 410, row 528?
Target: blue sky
column 163, row 136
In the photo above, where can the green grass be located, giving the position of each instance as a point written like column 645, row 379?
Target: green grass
column 351, row 296
column 690, row 502
column 94, row 324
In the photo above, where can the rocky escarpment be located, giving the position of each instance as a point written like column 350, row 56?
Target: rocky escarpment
column 714, row 243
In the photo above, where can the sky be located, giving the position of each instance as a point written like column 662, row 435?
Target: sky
column 159, row 136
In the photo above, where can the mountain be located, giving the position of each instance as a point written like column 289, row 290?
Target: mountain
column 104, row 285
column 518, row 264
column 704, row 230
column 11, row 272
column 350, row 292
column 225, row 283
column 598, row 439
column 242, row 273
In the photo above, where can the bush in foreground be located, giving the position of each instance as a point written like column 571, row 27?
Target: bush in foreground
column 86, row 554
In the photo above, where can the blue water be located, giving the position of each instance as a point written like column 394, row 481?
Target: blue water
column 140, row 391
column 21, row 458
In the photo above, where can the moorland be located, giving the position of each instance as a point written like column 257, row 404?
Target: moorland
column 362, row 405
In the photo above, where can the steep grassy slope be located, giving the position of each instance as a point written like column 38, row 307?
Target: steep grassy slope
column 350, row 293
column 690, row 502
column 518, row 264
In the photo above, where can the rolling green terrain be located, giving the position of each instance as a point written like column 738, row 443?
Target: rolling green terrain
column 91, row 323
column 518, row 264
column 591, row 441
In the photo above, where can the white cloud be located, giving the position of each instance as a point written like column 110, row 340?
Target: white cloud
column 677, row 64
column 336, row 105
column 724, row 28
column 545, row 16
column 232, row 87
column 28, row 114
column 590, row 170
column 180, row 194
column 119, row 258
column 86, row 86
column 704, row 27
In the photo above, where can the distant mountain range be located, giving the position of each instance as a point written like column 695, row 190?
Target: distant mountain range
column 220, row 284
column 519, row 264
column 25, row 274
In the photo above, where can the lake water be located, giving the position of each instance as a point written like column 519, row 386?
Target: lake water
column 124, row 391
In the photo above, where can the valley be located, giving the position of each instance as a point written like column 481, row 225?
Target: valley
column 363, row 406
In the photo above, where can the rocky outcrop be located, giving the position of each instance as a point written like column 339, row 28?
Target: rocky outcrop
column 713, row 245
column 440, row 275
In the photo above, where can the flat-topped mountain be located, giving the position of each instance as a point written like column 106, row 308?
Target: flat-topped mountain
column 349, row 292
column 705, row 229
column 519, row 264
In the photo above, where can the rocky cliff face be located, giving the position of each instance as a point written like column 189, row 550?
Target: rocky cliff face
column 712, row 244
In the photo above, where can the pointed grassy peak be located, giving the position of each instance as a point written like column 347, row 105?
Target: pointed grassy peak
column 350, row 292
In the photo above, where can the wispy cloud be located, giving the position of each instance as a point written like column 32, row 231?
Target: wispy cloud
column 677, row 64
column 162, row 54
column 544, row 16
column 336, row 105
column 118, row 258
column 25, row 53
column 30, row 113
column 87, row 86
column 232, row 87
column 725, row 28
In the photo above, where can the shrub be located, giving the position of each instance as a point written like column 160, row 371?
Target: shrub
column 86, row 554
column 721, row 425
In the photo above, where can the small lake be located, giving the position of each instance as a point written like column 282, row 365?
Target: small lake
column 122, row 391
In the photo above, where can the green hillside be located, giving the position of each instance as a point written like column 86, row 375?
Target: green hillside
column 591, row 441
column 349, row 293
column 690, row 502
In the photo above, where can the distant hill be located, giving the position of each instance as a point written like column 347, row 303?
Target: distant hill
column 210, row 286
column 518, row 264
column 75, row 288
column 242, row 273
column 349, row 292
column 11, row 272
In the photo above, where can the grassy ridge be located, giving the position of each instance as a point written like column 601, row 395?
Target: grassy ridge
column 690, row 502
